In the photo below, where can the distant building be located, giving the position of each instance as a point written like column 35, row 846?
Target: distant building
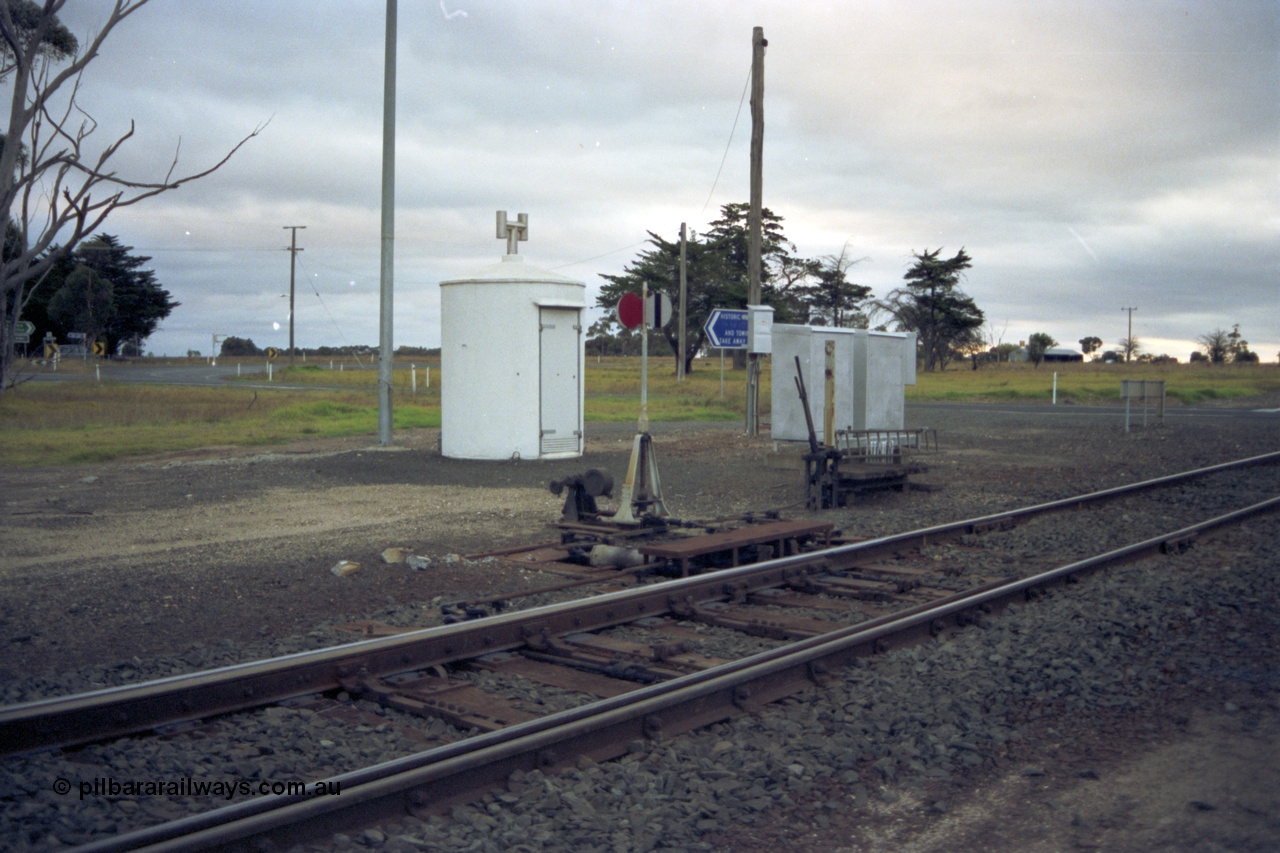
column 1051, row 354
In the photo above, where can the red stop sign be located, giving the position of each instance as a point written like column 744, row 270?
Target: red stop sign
column 630, row 310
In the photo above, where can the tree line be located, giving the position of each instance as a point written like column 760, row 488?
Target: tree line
column 806, row 291
column 948, row 324
column 237, row 347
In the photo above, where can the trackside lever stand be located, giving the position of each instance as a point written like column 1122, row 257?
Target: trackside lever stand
column 641, row 494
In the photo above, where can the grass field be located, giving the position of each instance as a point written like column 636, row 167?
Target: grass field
column 1095, row 384
column 56, row 423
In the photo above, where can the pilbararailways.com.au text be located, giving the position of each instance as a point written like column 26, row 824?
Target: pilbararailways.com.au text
column 103, row 786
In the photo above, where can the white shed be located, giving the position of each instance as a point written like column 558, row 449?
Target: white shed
column 871, row 372
column 511, row 363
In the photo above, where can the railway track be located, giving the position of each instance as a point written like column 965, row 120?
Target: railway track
column 639, row 664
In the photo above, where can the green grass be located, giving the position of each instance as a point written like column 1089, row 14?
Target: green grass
column 1094, row 384
column 59, row 423
column 71, row 422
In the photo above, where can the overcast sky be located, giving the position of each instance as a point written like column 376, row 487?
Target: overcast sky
column 1090, row 156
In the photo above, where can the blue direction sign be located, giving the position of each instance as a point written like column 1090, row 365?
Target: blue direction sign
column 727, row 328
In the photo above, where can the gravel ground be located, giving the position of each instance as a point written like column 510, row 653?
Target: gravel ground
column 1135, row 726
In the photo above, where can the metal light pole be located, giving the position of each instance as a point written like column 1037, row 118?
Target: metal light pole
column 385, row 348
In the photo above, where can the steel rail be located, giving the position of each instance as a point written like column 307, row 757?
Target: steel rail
column 129, row 709
column 603, row 729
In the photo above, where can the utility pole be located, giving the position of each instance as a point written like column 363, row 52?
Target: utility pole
column 293, row 251
column 386, row 353
column 755, row 216
column 1128, row 342
column 684, row 303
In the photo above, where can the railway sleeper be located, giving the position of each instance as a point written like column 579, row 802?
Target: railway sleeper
column 774, row 626
column 790, row 598
column 611, row 667
column 553, row 674
column 992, row 526
column 898, row 571
column 1177, row 545
column 462, row 705
column 846, row 587
column 668, row 652
column 674, row 657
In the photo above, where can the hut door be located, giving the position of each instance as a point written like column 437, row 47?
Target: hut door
column 560, row 385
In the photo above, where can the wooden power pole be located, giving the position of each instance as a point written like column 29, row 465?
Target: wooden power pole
column 684, row 301
column 755, row 216
column 1128, row 342
column 293, row 251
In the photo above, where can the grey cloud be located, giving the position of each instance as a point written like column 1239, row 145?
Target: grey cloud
column 1088, row 154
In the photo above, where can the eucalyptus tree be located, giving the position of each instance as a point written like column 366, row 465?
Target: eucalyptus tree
column 1090, row 344
column 1037, row 345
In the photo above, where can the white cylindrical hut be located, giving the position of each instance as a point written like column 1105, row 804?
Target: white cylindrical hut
column 511, row 362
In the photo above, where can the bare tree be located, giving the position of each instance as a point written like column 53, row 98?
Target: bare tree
column 991, row 341
column 1130, row 347
column 56, row 186
column 1216, row 345
column 1221, row 347
column 974, row 345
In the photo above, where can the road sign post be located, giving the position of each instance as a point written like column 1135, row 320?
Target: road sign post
column 726, row 328
column 630, row 310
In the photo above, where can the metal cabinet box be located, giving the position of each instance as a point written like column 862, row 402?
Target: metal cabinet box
column 872, row 370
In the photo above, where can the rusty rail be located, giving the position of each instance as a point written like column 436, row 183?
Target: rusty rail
column 129, row 709
column 604, row 729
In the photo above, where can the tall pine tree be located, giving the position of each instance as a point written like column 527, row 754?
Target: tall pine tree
column 933, row 306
